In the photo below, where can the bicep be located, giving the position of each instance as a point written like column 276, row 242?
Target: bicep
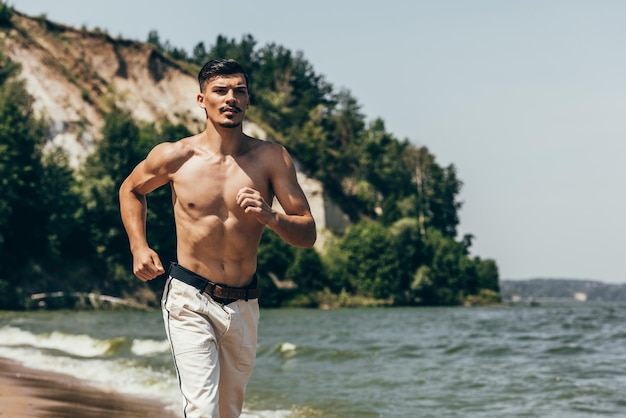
column 149, row 174
column 142, row 180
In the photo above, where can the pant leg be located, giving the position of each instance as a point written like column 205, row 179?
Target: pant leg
column 213, row 347
column 237, row 353
column 193, row 327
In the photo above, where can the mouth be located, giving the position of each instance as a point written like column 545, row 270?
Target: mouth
column 230, row 109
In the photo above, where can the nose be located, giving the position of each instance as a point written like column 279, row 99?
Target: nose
column 230, row 96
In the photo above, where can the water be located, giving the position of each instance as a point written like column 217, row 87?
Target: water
column 549, row 361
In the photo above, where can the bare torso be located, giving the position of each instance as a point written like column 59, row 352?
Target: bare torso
column 215, row 238
column 223, row 184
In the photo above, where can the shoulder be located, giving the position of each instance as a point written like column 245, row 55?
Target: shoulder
column 276, row 160
column 169, row 156
column 269, row 151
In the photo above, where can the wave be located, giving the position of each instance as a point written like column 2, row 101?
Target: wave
column 121, row 375
column 81, row 345
column 288, row 351
column 116, row 364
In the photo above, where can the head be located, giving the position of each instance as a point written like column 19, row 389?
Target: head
column 220, row 67
column 224, row 92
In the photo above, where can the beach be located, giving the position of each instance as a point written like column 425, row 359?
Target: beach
column 26, row 392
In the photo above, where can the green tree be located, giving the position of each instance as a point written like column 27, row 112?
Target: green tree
column 307, row 271
column 287, row 88
column 437, row 281
column 310, row 146
column 381, row 157
column 153, row 39
column 243, row 51
column 371, row 262
column 23, row 220
column 61, row 198
column 114, row 157
column 335, row 262
column 199, row 54
column 437, row 191
column 65, row 261
column 409, row 254
column 443, row 206
column 488, row 275
column 22, row 217
column 5, row 15
column 274, row 258
column 448, row 275
column 8, row 68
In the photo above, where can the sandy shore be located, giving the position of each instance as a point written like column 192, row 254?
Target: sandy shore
column 26, row 392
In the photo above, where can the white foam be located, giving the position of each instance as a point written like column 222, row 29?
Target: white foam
column 150, row 347
column 266, row 414
column 120, row 375
column 86, row 360
column 287, row 347
column 77, row 345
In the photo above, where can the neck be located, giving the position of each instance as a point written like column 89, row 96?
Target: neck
column 224, row 140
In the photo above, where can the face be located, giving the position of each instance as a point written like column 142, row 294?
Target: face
column 225, row 100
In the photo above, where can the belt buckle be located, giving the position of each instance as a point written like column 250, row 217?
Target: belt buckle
column 224, row 292
column 210, row 289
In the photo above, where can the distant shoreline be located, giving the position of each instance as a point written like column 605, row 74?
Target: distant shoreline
column 561, row 290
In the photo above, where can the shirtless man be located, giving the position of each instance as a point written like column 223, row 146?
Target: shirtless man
column 223, row 183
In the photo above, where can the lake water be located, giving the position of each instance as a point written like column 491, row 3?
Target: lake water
column 549, row 361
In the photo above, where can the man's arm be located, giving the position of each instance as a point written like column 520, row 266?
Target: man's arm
column 296, row 226
column 146, row 177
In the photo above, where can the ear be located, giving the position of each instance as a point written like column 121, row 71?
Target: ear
column 200, row 100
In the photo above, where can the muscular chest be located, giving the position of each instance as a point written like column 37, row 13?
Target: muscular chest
column 204, row 187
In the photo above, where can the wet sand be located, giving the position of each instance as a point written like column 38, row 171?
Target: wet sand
column 26, row 392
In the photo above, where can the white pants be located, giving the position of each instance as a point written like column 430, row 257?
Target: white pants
column 213, row 346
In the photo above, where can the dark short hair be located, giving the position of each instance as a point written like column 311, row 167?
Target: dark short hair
column 220, row 67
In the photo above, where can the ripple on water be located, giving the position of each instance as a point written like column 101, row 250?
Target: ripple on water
column 495, row 352
column 458, row 349
column 568, row 350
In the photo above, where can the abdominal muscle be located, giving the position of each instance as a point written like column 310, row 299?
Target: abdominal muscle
column 222, row 251
column 215, row 237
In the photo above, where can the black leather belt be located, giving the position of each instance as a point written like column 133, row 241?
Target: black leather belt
column 219, row 292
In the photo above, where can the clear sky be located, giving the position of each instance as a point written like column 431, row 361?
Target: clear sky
column 526, row 98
